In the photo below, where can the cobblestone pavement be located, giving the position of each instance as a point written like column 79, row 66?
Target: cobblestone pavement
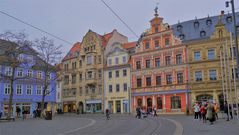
column 118, row 125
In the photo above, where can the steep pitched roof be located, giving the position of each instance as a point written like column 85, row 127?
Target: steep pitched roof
column 105, row 38
column 74, row 51
column 129, row 45
column 187, row 30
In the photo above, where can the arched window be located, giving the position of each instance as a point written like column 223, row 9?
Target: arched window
column 175, row 102
column 159, row 103
column 140, row 102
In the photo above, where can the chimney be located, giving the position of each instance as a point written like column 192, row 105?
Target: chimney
column 222, row 12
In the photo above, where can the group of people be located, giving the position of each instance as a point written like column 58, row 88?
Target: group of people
column 209, row 111
column 142, row 112
column 206, row 111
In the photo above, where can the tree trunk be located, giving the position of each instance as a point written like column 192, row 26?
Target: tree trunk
column 11, row 94
column 43, row 104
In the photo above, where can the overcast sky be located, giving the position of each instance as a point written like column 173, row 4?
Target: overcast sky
column 71, row 19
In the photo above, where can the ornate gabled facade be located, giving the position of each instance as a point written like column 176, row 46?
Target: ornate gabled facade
column 159, row 71
column 207, row 66
column 70, row 78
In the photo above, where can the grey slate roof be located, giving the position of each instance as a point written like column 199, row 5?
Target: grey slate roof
column 189, row 32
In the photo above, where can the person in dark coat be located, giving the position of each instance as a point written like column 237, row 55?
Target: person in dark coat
column 226, row 109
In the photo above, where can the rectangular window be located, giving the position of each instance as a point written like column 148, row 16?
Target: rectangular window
column 89, row 75
column 211, row 54
column 66, row 79
column 157, row 62
column 116, row 60
column 89, row 60
column 148, row 81
column 73, row 79
column 125, row 87
column 147, row 62
column 47, row 91
column 158, row 80
column 29, row 73
column 138, row 65
column 80, row 91
column 125, row 72
column 99, row 74
column 179, row 59
column 235, row 73
column 124, row 60
column 110, row 88
column 8, row 71
column 80, row 63
column 86, row 90
column 213, row 74
column 19, row 72
column 233, row 52
column 198, row 76
column 100, row 89
column 39, row 90
column 7, row 89
column 39, row 75
column 168, row 60
column 197, row 56
column 147, row 45
column 29, row 89
column 110, row 62
column 80, row 77
column 169, row 79
column 117, row 73
column 110, row 74
column 19, row 89
column 139, row 82
column 117, row 87
column 166, row 42
column 156, row 44
column 99, row 59
column 180, row 78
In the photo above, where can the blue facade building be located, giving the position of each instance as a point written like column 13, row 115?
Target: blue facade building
column 28, row 89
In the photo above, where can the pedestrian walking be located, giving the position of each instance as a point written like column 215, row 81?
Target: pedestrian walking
column 216, row 108
column 155, row 111
column 107, row 114
column 203, row 113
column 18, row 110
column 196, row 110
column 226, row 109
column 209, row 115
column 230, row 111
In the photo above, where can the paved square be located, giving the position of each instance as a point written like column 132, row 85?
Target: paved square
column 117, row 125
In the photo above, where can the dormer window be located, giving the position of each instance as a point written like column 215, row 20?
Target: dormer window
column 196, row 24
column 181, row 36
column 202, row 33
column 179, row 27
column 229, row 19
column 209, row 22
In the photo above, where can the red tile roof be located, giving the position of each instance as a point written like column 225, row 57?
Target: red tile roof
column 105, row 38
column 129, row 45
column 71, row 54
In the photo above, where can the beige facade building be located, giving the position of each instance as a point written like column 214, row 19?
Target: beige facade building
column 117, row 78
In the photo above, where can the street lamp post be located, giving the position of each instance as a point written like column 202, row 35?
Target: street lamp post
column 235, row 38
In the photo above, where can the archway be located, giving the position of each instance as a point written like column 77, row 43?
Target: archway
column 149, row 104
column 139, row 102
column 204, row 98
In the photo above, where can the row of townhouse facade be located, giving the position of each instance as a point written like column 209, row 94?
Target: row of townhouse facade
column 28, row 84
column 169, row 68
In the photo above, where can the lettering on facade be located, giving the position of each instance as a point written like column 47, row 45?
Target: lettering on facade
column 117, row 97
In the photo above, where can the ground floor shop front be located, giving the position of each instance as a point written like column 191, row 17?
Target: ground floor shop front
column 26, row 107
column 118, row 105
column 171, row 101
